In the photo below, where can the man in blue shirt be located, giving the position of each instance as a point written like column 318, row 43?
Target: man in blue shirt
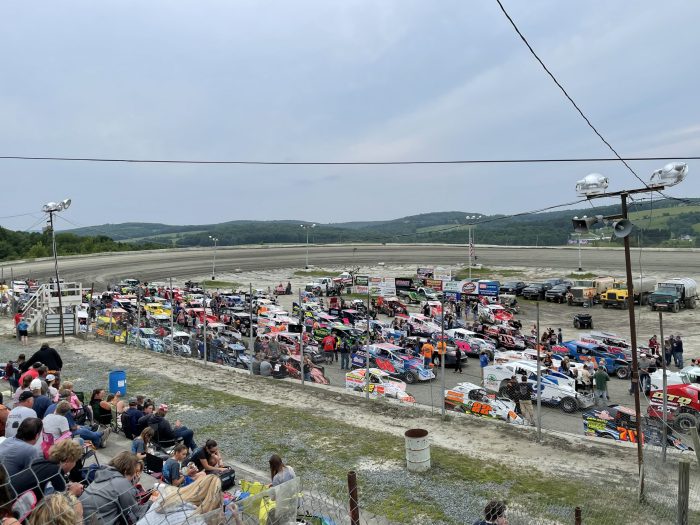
column 484, row 362
column 17, row 453
column 172, row 474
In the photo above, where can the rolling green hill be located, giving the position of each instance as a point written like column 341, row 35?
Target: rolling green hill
column 662, row 225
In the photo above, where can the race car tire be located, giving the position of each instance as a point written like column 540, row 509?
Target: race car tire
column 685, row 422
column 411, row 378
column 569, row 405
column 623, row 372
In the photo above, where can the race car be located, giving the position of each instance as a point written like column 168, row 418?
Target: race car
column 380, row 384
column 494, row 314
column 391, row 359
column 557, row 389
column 469, row 398
column 618, row 422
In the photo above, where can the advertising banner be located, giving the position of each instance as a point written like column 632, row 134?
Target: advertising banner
column 388, row 287
column 403, row 283
column 435, row 284
column 453, row 296
column 452, row 286
column 470, row 288
column 489, row 288
column 375, row 286
column 360, row 289
column 425, row 273
column 361, row 280
column 443, row 274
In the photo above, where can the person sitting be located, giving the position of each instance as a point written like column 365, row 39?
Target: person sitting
column 17, row 453
column 141, row 444
column 21, row 411
column 199, row 503
column 117, row 402
column 56, row 424
column 208, row 458
column 6, row 500
column 62, row 459
column 41, row 401
column 101, row 409
column 23, row 387
column 130, row 419
column 97, row 438
column 109, row 499
column 172, row 470
column 148, row 409
column 57, row 509
column 279, row 472
column 164, row 432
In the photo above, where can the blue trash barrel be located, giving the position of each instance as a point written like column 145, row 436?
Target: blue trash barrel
column 117, row 382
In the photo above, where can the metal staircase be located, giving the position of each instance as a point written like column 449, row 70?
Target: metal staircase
column 44, row 303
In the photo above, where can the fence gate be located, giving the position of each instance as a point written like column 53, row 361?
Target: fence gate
column 53, row 324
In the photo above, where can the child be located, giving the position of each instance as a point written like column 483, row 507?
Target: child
column 172, row 470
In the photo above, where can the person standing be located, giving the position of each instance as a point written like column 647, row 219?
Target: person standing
column 427, row 350
column 668, row 349
column 524, row 395
column 677, row 350
column 458, row 359
column 600, row 379
column 23, row 331
column 483, row 363
column 48, row 356
column 344, row 355
column 560, row 337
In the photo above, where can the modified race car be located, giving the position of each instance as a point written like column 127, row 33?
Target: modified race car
column 469, row 398
column 391, row 359
column 618, row 422
column 380, row 384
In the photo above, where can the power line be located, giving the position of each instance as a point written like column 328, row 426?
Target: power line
column 351, row 163
column 566, row 94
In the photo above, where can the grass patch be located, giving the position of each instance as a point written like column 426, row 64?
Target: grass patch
column 221, row 284
column 313, row 273
column 322, row 450
column 580, row 276
column 486, row 272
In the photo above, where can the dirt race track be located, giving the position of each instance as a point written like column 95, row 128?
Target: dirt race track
column 106, row 268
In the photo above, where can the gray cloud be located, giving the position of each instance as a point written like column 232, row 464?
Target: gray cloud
column 352, row 80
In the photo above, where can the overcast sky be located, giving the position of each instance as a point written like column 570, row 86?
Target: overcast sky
column 343, row 80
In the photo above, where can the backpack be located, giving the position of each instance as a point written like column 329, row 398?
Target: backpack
column 47, row 441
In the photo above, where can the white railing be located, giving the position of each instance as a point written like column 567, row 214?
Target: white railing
column 45, row 300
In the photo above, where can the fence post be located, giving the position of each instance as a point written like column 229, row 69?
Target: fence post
column 577, row 516
column 354, row 504
column 696, row 440
column 683, row 491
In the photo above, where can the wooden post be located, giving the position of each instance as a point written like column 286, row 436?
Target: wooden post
column 696, row 442
column 577, row 516
column 683, row 491
column 354, row 504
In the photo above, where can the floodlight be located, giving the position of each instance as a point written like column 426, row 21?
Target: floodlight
column 670, row 175
column 66, row 203
column 592, row 184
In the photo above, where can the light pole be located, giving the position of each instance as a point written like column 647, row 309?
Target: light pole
column 471, row 243
column 213, row 265
column 307, row 227
column 594, row 186
column 51, row 208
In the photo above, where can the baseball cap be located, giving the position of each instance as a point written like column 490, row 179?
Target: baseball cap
column 132, row 401
column 50, row 377
column 35, row 384
column 25, row 395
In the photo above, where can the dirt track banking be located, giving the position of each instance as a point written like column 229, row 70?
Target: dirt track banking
column 103, row 269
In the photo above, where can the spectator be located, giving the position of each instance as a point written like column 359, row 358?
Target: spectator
column 53, row 382
column 57, row 509
column 41, row 401
column 427, row 350
column 601, row 378
column 512, row 393
column 345, row 355
column 130, row 419
column 63, row 457
column 458, row 360
column 33, row 372
column 23, row 332
column 525, row 397
column 21, row 411
column 109, row 499
column 6, row 500
column 24, row 387
column 56, row 424
column 199, row 502
column 265, row 367
column 172, row 470
column 165, row 432
column 47, row 356
column 668, row 349
column 4, row 412
column 279, row 472
column 101, row 409
column 208, row 458
column 560, row 336
column 74, row 400
column 117, row 403
column 17, row 453
column 143, row 420
column 677, row 351
column 494, row 514
column 483, row 363
column 140, row 445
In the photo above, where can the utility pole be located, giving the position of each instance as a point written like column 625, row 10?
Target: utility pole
column 539, row 378
column 58, row 282
column 252, row 337
column 443, row 357
column 664, row 388
column 301, row 342
column 367, row 347
column 172, row 318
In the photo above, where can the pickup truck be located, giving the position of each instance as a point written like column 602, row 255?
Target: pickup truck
column 421, row 293
column 589, row 352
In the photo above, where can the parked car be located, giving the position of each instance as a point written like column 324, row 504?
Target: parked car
column 512, row 287
column 556, row 293
column 469, row 398
column 535, row 291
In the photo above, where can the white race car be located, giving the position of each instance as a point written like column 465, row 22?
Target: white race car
column 472, row 399
column 557, row 389
column 380, row 384
column 687, row 375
